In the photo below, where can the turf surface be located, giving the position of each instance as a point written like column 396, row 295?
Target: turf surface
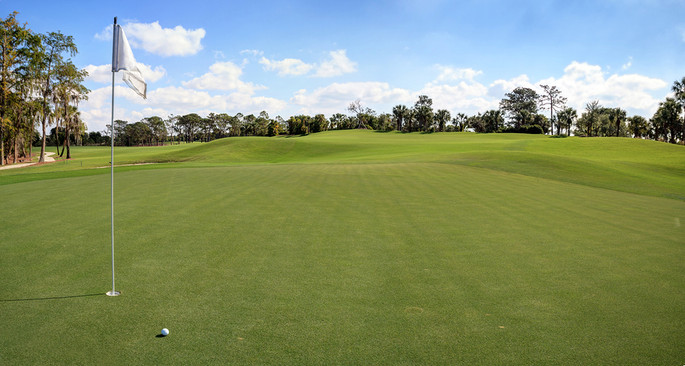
column 350, row 248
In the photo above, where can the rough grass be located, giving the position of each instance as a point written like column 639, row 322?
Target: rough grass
column 382, row 249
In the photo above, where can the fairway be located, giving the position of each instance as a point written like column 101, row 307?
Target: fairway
column 350, row 247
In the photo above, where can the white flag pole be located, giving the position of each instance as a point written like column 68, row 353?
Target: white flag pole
column 111, row 160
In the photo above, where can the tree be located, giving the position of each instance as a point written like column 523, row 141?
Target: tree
column 589, row 121
column 459, row 122
column 171, row 124
column 565, row 119
column 49, row 56
column 399, row 112
column 362, row 113
column 236, row 124
column 119, row 132
column 157, row 128
column 492, row 120
column 442, row 116
column 138, row 133
column 638, row 126
column 318, row 123
column 249, row 125
column 22, row 104
column 190, row 123
column 617, row 117
column 13, row 40
column 520, row 106
column 476, row 122
column 666, row 121
column 384, row 122
column 298, row 125
column 68, row 91
column 262, row 124
column 410, row 122
column 679, row 91
column 220, row 124
column 273, row 128
column 423, row 112
column 205, row 128
column 551, row 99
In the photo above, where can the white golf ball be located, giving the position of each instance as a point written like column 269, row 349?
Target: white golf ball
column 165, row 332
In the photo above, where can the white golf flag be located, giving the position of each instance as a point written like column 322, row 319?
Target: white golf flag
column 122, row 59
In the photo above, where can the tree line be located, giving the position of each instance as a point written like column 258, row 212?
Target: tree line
column 39, row 86
column 520, row 111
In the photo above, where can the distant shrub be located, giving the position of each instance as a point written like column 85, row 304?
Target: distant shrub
column 530, row 129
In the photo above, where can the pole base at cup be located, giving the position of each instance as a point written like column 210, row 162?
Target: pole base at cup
column 113, row 293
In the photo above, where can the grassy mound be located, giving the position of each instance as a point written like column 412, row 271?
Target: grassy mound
column 627, row 165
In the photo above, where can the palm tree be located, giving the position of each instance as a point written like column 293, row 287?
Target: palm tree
column 442, row 116
column 679, row 91
column 409, row 120
column 423, row 112
column 79, row 128
column 72, row 123
column 67, row 94
column 590, row 118
column 399, row 112
column 565, row 119
column 638, row 126
column 492, row 120
column 617, row 116
column 459, row 122
column 666, row 121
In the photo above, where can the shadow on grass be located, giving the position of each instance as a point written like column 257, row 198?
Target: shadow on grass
column 50, row 298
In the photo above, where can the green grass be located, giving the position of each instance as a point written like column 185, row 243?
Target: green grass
column 351, row 248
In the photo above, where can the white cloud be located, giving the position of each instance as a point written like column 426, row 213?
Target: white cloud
column 463, row 97
column 288, row 66
column 583, row 83
column 254, row 53
column 456, row 90
column 99, row 74
column 176, row 41
column 106, row 34
column 218, row 55
column 448, row 73
column 179, row 100
column 96, row 112
column 628, row 64
column 102, row 97
column 335, row 97
column 337, row 65
column 223, row 76
column 163, row 102
column 151, row 75
column 103, row 73
column 500, row 87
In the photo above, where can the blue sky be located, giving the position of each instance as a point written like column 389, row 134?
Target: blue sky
column 318, row 57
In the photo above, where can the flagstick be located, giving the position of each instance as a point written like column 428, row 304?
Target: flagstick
column 111, row 160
